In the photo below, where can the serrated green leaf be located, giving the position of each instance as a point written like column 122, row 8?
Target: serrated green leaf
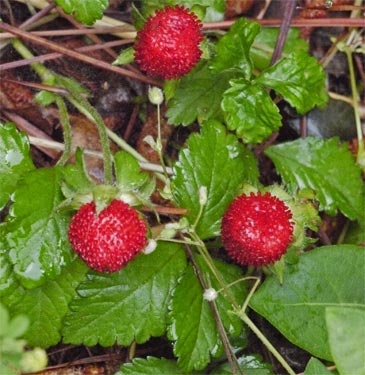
column 199, row 96
column 46, row 305
column 128, row 172
column 216, row 160
column 316, row 367
column 264, row 44
column 36, row 233
column 86, row 11
column 346, row 333
column 249, row 110
column 233, row 49
column 249, row 364
column 150, row 366
column 299, row 78
column 127, row 305
column 193, row 328
column 329, row 276
column 325, row 166
column 15, row 160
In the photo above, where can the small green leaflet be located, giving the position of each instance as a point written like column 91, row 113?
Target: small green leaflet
column 7, row 277
column 327, row 276
column 46, row 305
column 249, row 110
column 299, row 78
column 36, row 233
column 151, row 366
column 15, row 160
column 346, row 336
column 12, row 328
column 250, row 365
column 86, row 11
column 125, row 57
column 193, row 328
column 233, row 49
column 316, row 367
column 198, row 96
column 128, row 172
column 213, row 9
column 127, row 305
column 216, row 160
column 325, row 166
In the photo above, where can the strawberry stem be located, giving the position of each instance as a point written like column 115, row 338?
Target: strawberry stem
column 80, row 103
column 92, row 114
column 67, row 131
column 266, row 342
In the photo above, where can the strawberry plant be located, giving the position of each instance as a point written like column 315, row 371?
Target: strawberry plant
column 215, row 247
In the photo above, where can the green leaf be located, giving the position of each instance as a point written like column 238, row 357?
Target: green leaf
column 325, row 166
column 127, row 305
column 150, row 366
column 299, row 78
column 4, row 314
column 249, row 364
column 75, row 175
column 346, row 331
column 329, row 276
column 214, row 9
column 45, row 306
column 316, row 367
column 17, row 326
column 249, row 110
column 35, row 232
column 125, row 57
column 199, row 96
column 15, row 160
column 128, row 172
column 193, row 328
column 86, row 11
column 233, row 49
column 207, row 161
column 7, row 278
column 264, row 44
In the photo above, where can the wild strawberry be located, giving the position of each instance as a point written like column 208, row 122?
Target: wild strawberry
column 108, row 240
column 168, row 44
column 257, row 229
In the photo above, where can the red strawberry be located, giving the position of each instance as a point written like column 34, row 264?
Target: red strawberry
column 257, row 229
column 108, row 240
column 168, row 44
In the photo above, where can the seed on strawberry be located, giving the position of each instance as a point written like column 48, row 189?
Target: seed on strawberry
column 257, row 229
column 168, row 44
column 109, row 240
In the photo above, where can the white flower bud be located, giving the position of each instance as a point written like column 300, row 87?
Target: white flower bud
column 210, row 294
column 151, row 247
column 203, row 195
column 155, row 95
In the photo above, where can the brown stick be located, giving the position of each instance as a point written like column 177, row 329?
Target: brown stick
column 76, row 55
column 288, row 8
column 297, row 22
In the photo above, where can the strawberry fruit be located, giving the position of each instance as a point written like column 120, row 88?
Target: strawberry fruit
column 109, row 240
column 257, row 229
column 168, row 44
